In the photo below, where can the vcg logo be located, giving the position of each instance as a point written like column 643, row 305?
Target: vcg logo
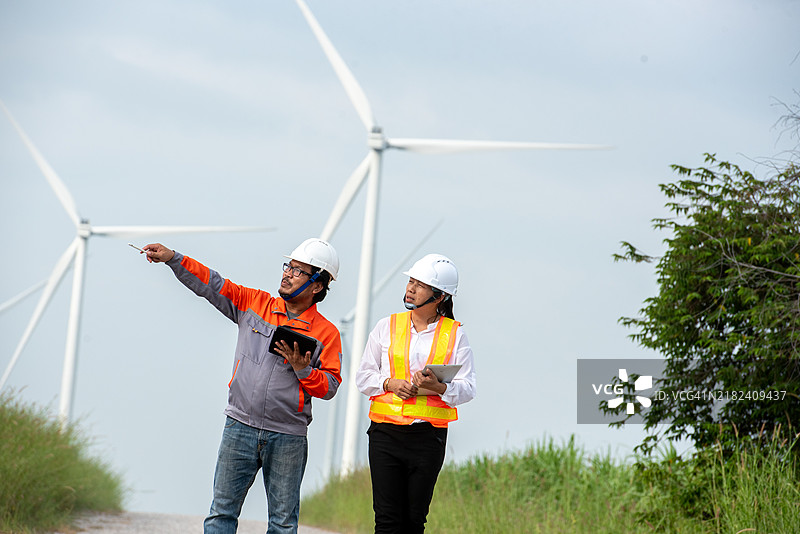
column 641, row 383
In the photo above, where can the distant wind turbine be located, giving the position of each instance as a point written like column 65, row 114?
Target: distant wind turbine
column 370, row 170
column 76, row 253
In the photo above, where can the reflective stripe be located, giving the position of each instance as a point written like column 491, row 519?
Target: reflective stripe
column 428, row 408
column 439, row 339
column 400, row 325
column 390, row 408
column 392, row 405
column 425, row 404
column 443, row 341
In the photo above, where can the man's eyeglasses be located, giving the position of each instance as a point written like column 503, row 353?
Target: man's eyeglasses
column 296, row 271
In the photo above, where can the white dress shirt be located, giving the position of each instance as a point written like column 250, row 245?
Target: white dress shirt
column 375, row 367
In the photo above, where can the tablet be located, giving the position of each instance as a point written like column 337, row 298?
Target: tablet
column 284, row 333
column 445, row 373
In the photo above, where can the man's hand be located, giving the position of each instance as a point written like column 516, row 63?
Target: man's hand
column 158, row 253
column 293, row 356
column 427, row 380
column 402, row 388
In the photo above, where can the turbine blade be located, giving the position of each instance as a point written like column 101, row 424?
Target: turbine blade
column 52, row 284
column 349, row 192
column 448, row 146
column 137, row 231
column 14, row 300
column 351, row 86
column 55, row 182
column 378, row 288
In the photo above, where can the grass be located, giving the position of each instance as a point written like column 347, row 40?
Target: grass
column 47, row 476
column 344, row 504
column 46, row 473
column 553, row 488
column 758, row 489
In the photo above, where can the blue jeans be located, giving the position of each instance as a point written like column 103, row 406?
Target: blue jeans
column 242, row 452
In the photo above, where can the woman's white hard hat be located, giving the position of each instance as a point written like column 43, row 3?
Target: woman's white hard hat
column 317, row 253
column 436, row 271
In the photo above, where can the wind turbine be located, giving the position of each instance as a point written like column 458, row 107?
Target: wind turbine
column 20, row 297
column 345, row 323
column 76, row 254
column 369, row 170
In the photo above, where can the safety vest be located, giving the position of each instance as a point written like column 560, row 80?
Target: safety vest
column 388, row 407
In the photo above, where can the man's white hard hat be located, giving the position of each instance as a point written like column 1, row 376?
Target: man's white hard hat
column 317, row 253
column 436, row 271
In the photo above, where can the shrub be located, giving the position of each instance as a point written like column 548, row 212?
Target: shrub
column 46, row 474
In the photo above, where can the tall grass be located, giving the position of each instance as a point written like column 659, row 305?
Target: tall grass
column 757, row 488
column 344, row 504
column 546, row 488
column 46, row 474
column 552, row 488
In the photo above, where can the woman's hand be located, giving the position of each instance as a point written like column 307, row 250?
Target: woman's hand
column 427, row 380
column 402, row 388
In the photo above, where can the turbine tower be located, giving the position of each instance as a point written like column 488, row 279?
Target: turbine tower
column 327, row 464
column 76, row 254
column 369, row 170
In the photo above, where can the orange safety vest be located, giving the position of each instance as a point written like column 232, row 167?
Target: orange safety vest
column 388, row 407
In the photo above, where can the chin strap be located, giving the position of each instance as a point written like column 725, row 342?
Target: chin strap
column 436, row 295
column 302, row 288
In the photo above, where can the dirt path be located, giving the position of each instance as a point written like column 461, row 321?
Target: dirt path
column 143, row 523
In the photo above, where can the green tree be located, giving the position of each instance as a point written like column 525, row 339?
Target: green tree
column 727, row 313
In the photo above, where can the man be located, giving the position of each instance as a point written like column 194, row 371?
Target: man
column 269, row 398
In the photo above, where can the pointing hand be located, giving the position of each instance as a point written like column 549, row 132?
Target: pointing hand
column 158, row 253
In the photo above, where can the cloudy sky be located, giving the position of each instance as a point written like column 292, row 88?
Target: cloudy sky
column 227, row 113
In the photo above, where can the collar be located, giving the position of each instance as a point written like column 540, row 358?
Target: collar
column 302, row 322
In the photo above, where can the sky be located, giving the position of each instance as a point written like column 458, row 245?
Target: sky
column 227, row 113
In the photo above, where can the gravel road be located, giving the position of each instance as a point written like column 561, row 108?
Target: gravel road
column 142, row 523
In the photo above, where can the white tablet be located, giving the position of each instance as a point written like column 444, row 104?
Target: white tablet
column 445, row 373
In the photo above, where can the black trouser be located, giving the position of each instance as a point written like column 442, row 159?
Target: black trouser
column 404, row 462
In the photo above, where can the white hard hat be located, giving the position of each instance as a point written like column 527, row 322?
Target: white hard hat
column 436, row 271
column 317, row 253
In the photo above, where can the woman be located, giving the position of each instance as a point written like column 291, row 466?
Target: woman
column 411, row 407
